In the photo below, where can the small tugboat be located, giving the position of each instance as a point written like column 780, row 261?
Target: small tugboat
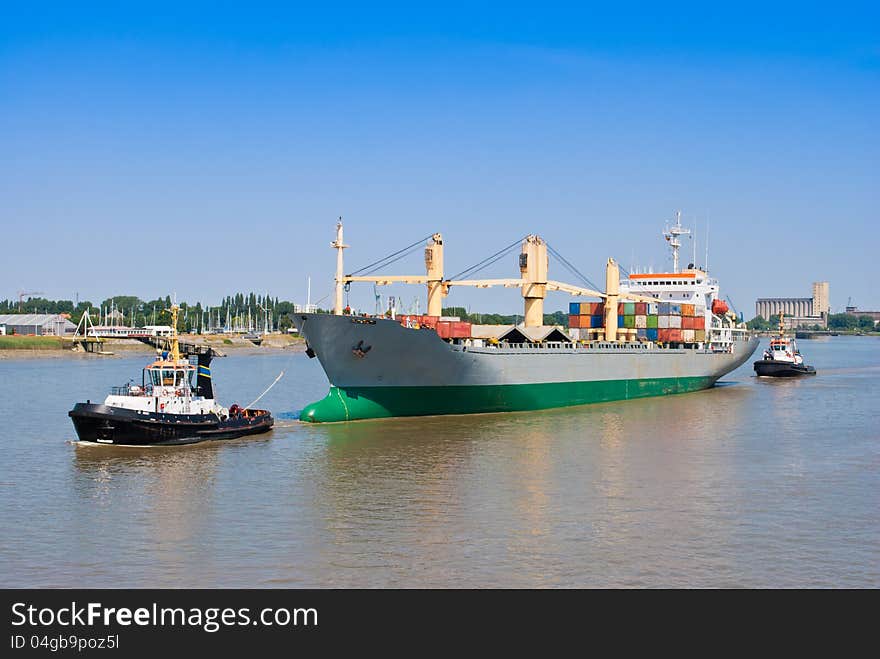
column 174, row 404
column 782, row 359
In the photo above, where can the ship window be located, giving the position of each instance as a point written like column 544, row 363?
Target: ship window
column 168, row 378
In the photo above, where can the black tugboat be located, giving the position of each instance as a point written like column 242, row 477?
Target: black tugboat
column 782, row 359
column 173, row 405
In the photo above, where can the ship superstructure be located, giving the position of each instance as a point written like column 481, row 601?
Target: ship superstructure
column 380, row 367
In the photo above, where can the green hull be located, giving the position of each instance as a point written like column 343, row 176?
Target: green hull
column 355, row 403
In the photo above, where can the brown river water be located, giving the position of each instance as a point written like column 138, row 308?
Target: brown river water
column 755, row 483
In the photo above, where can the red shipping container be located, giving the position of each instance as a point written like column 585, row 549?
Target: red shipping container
column 674, row 336
column 461, row 330
column 687, row 322
column 429, row 321
column 620, row 308
column 641, row 308
column 444, row 329
column 574, row 321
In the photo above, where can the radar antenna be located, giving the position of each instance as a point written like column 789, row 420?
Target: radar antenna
column 672, row 235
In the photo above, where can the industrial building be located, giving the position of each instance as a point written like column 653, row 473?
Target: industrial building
column 799, row 311
column 41, row 324
column 855, row 311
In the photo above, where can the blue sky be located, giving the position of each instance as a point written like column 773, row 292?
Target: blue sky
column 151, row 149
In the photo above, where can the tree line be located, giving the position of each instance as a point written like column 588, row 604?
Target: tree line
column 241, row 310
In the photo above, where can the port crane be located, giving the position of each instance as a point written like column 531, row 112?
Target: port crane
column 533, row 280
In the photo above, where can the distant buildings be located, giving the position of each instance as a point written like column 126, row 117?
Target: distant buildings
column 41, row 324
column 854, row 311
column 799, row 311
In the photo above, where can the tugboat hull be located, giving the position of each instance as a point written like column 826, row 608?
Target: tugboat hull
column 776, row 369
column 113, row 425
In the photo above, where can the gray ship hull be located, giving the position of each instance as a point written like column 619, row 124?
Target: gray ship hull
column 377, row 368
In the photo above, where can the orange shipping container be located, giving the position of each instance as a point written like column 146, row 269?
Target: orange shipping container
column 687, row 310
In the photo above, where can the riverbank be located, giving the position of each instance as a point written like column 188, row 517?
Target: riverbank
column 51, row 347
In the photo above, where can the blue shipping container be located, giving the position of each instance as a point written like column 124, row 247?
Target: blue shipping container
column 664, row 308
column 651, row 334
column 620, row 321
column 642, row 333
column 597, row 322
column 574, row 308
column 674, row 309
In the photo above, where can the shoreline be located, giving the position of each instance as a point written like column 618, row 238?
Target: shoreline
column 130, row 347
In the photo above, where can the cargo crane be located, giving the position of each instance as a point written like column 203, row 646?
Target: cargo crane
column 533, row 281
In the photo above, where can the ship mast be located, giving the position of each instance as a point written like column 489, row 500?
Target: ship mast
column 338, row 245
column 672, row 235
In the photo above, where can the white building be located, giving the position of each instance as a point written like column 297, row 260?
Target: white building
column 41, row 324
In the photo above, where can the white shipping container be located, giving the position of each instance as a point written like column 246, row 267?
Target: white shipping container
column 653, row 308
column 641, row 322
column 663, row 322
column 674, row 322
column 687, row 335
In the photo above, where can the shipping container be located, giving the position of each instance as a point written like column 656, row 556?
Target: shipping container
column 461, row 330
column 629, row 308
column 699, row 322
column 687, row 335
column 597, row 322
column 674, row 309
column 674, row 336
column 651, row 322
column 598, row 308
column 699, row 335
column 674, row 322
column 663, row 322
column 574, row 321
column 641, row 322
column 653, row 308
column 687, row 310
column 574, row 308
column 620, row 320
column 699, row 310
column 585, row 308
column 641, row 308
column 429, row 321
column 687, row 322
column 620, row 307
column 664, row 308
column 652, row 333
column 641, row 333
column 629, row 322
column 575, row 334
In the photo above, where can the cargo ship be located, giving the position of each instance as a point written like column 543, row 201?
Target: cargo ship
column 649, row 334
